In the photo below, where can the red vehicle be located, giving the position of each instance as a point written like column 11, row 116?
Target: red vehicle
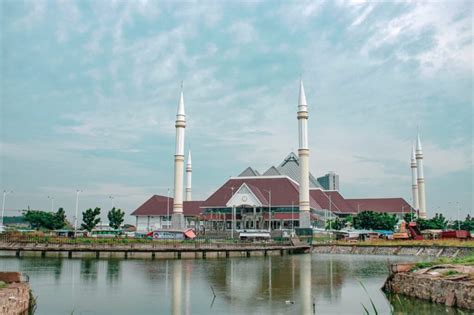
column 414, row 231
column 459, row 234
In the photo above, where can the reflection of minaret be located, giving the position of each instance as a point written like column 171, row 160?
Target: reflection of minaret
column 421, row 179
column 303, row 153
column 176, row 298
column 187, row 286
column 177, row 219
column 414, row 184
column 305, row 284
column 189, row 171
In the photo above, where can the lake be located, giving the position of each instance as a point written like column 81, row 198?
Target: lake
column 293, row 284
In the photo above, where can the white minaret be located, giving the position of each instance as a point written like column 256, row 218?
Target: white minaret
column 177, row 219
column 189, row 171
column 414, row 183
column 421, row 180
column 303, row 153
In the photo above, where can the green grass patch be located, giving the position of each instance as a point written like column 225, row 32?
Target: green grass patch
column 3, row 285
column 467, row 260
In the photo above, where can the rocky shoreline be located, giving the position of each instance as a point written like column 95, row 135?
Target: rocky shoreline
column 15, row 294
column 451, row 285
column 429, row 251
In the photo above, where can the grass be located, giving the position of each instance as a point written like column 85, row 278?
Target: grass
column 467, row 260
column 450, row 273
column 3, row 285
column 441, row 243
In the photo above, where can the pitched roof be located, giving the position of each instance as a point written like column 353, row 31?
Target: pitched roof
column 158, row 206
column 291, row 168
column 272, row 171
column 284, row 192
column 331, row 199
column 389, row 205
column 249, row 172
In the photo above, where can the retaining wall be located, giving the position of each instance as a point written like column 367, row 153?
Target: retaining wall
column 432, row 251
column 448, row 292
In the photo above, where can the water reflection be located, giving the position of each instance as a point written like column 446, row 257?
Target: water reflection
column 403, row 305
column 113, row 270
column 299, row 284
column 89, row 269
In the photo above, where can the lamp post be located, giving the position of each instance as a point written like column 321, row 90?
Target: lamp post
column 77, row 209
column 112, row 201
column 168, row 209
column 292, row 218
column 459, row 210
column 52, row 203
column 232, row 216
column 5, row 193
column 269, row 209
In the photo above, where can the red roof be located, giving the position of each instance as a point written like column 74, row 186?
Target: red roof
column 158, row 206
column 389, row 205
column 285, row 192
column 338, row 203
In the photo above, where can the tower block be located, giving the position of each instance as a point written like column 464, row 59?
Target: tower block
column 177, row 218
column 414, row 183
column 420, row 180
column 303, row 153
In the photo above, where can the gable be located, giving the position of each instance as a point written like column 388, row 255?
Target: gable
column 243, row 197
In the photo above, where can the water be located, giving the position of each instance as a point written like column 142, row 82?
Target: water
column 256, row 285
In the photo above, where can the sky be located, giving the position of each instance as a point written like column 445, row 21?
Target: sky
column 89, row 93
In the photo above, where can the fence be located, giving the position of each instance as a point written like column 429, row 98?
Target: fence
column 137, row 243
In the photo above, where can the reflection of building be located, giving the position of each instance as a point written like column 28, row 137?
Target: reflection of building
column 330, row 181
column 282, row 197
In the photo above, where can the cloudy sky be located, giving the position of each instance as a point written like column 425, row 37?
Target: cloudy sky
column 89, row 92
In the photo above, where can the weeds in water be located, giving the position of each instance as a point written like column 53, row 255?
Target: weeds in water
column 370, row 299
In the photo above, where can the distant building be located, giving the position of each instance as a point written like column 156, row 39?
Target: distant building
column 330, row 181
column 156, row 213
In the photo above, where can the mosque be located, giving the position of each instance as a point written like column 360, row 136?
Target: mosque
column 284, row 196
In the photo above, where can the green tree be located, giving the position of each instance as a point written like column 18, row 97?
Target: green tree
column 468, row 224
column 335, row 224
column 90, row 219
column 39, row 219
column 115, row 217
column 409, row 217
column 438, row 222
column 375, row 221
column 59, row 220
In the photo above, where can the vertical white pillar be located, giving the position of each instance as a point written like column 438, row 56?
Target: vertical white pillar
column 420, row 180
column 414, row 183
column 303, row 153
column 189, row 171
column 177, row 218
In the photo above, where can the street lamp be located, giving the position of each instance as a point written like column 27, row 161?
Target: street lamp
column 77, row 209
column 5, row 193
column 112, row 200
column 52, row 203
column 292, row 218
column 459, row 210
column 232, row 216
column 269, row 209
column 168, row 209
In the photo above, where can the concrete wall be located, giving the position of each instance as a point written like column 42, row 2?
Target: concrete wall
column 432, row 251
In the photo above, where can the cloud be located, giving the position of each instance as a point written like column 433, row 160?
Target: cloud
column 452, row 35
column 243, row 32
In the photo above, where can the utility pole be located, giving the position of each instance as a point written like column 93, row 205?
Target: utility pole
column 168, row 209
column 77, row 209
column 5, row 193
